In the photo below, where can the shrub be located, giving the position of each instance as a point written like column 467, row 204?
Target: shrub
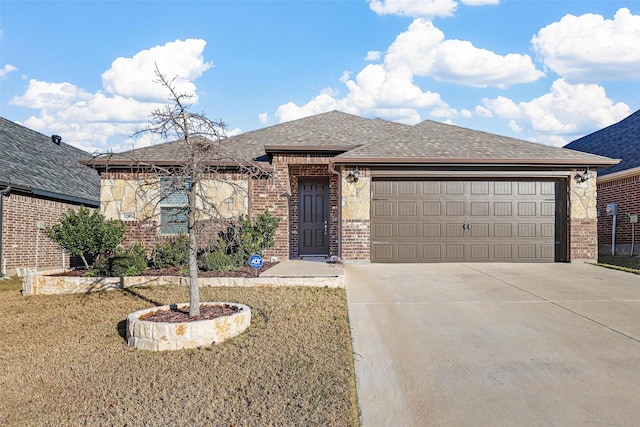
column 172, row 253
column 249, row 236
column 87, row 234
column 123, row 262
column 216, row 260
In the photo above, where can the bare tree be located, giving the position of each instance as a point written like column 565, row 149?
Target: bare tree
column 197, row 156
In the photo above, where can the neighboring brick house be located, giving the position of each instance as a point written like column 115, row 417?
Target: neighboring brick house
column 40, row 180
column 619, row 184
column 372, row 190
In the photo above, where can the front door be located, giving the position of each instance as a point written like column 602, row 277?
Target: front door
column 313, row 216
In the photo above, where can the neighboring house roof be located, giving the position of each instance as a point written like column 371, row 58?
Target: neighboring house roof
column 32, row 162
column 619, row 141
column 355, row 139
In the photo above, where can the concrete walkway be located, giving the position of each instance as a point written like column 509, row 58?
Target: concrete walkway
column 301, row 268
column 495, row 344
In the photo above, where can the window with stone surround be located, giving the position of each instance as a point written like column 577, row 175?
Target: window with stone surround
column 174, row 204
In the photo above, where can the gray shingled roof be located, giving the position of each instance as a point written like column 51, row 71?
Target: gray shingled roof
column 436, row 142
column 328, row 131
column 32, row 162
column 374, row 140
column 619, row 141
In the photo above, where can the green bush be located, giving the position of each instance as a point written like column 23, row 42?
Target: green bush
column 123, row 262
column 249, row 236
column 87, row 234
column 172, row 253
column 216, row 260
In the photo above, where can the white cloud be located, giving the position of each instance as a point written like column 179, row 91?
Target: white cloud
column 373, row 55
column 91, row 120
column 4, row 71
column 425, row 50
column 263, row 117
column 389, row 89
column 566, row 111
column 589, row 47
column 134, row 77
column 414, row 8
column 45, row 95
column 480, row 2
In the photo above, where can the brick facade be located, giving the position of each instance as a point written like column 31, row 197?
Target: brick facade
column 24, row 244
column 349, row 210
column 624, row 191
column 279, row 195
column 583, row 240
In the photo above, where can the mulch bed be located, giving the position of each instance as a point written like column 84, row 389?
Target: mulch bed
column 175, row 315
column 181, row 271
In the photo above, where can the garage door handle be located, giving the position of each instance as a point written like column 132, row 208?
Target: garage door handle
column 466, row 226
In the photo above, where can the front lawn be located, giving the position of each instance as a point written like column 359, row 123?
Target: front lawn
column 63, row 361
column 627, row 263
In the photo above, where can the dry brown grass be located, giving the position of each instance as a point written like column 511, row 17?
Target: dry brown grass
column 63, row 361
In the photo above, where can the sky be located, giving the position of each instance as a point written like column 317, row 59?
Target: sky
column 547, row 71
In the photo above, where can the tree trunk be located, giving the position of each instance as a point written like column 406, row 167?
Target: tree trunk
column 84, row 260
column 194, row 291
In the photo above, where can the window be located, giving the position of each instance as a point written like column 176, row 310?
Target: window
column 173, row 205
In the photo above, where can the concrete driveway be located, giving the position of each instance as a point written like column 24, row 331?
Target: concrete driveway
column 495, row 344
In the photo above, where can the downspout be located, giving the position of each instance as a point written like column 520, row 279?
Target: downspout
column 339, row 175
column 2, row 194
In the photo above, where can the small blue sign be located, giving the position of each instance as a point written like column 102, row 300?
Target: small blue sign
column 255, row 261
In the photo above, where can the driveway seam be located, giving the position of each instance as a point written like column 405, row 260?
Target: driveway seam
column 557, row 305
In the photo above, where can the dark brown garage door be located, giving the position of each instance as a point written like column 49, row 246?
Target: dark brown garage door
column 455, row 221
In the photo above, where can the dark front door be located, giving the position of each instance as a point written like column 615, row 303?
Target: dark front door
column 313, row 216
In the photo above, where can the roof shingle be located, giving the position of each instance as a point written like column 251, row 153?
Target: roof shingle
column 620, row 141
column 31, row 160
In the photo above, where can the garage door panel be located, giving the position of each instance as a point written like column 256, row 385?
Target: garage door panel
column 479, row 230
column 455, row 230
column 455, row 187
column 431, row 230
column 440, row 221
column 455, row 252
column 382, row 231
column 480, row 209
column 407, row 253
column 432, row 252
column 455, row 209
column 502, row 208
column 431, row 188
column 431, row 209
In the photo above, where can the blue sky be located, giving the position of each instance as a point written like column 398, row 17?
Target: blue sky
column 547, row 71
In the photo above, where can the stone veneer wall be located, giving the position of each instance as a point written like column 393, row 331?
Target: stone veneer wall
column 625, row 191
column 583, row 220
column 133, row 198
column 23, row 244
column 278, row 195
column 356, row 217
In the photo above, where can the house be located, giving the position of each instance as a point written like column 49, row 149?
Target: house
column 618, row 184
column 40, row 180
column 361, row 189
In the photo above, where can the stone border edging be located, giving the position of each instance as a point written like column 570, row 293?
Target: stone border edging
column 42, row 284
column 161, row 336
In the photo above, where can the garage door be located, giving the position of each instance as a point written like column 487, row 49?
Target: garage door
column 455, row 221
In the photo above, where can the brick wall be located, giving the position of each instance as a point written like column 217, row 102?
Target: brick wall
column 279, row 195
column 583, row 240
column 23, row 244
column 356, row 240
column 626, row 193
